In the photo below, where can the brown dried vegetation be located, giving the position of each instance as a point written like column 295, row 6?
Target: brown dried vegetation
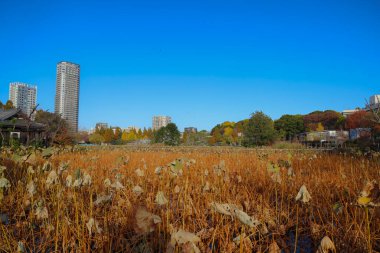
column 199, row 200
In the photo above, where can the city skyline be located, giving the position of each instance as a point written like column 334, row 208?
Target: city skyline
column 201, row 63
column 90, row 127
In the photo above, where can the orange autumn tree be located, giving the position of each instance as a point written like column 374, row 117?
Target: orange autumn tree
column 359, row 119
column 328, row 120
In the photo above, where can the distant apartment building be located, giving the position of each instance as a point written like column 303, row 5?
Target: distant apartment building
column 114, row 129
column 67, row 93
column 374, row 103
column 160, row 121
column 346, row 113
column 130, row 128
column 101, row 125
column 23, row 96
column 374, row 100
column 190, row 130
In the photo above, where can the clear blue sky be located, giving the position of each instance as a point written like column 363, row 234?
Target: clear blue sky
column 201, row 62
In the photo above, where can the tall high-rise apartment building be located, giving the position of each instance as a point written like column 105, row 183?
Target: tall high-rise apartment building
column 67, row 93
column 374, row 103
column 374, row 100
column 23, row 96
column 160, row 121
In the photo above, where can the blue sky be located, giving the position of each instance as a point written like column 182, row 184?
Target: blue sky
column 201, row 62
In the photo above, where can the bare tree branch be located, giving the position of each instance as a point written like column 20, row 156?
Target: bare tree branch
column 375, row 112
column 28, row 119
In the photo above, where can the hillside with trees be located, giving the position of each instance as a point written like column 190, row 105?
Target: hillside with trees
column 258, row 131
column 359, row 119
column 227, row 133
column 115, row 135
column 324, row 120
column 289, row 126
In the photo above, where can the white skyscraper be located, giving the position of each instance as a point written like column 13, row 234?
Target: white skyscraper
column 23, row 96
column 160, row 121
column 67, row 93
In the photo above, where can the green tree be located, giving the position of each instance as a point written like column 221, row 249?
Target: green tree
column 131, row 136
column 151, row 133
column 159, row 135
column 289, row 126
column 140, row 134
column 96, row 138
column 199, row 138
column 145, row 133
column 186, row 138
column 168, row 135
column 259, row 131
column 227, row 133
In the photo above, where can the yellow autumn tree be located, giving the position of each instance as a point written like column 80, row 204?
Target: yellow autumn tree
column 132, row 135
column 320, row 127
column 228, row 131
column 124, row 136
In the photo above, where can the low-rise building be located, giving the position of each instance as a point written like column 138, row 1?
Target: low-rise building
column 14, row 126
column 101, row 125
column 346, row 113
column 130, row 128
column 190, row 130
column 327, row 137
column 360, row 133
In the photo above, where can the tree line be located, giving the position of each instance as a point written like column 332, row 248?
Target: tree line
column 8, row 105
column 260, row 129
column 115, row 135
column 168, row 135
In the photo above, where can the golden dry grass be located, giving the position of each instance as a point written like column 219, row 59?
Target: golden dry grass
column 333, row 181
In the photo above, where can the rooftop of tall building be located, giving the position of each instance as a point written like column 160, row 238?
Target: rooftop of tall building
column 72, row 63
